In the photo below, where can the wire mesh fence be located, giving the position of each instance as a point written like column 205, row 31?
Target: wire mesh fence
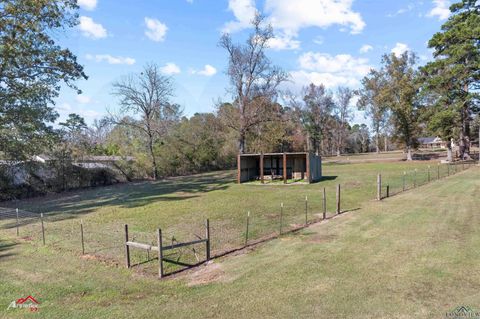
column 105, row 241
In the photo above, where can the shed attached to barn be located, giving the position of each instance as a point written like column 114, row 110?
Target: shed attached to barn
column 298, row 166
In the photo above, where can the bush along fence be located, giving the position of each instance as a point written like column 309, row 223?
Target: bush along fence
column 182, row 246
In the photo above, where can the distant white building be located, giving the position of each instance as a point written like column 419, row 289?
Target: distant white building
column 432, row 142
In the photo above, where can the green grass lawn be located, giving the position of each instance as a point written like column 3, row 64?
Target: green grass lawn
column 414, row 255
column 180, row 206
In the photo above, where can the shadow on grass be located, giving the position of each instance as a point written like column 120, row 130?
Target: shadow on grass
column 130, row 195
column 4, row 248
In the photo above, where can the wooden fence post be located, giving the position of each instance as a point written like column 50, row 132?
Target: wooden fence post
column 18, row 224
column 246, row 232
column 338, row 199
column 43, row 228
column 281, row 217
column 81, row 236
column 306, row 210
column 379, row 187
column 207, row 234
column 324, row 200
column 127, row 248
column 160, row 253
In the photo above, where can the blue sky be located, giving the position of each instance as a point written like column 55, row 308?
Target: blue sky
column 334, row 42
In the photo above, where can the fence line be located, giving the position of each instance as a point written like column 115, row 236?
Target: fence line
column 84, row 238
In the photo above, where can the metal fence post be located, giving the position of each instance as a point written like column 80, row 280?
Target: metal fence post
column 81, row 235
column 404, row 176
column 43, row 228
column 438, row 171
column 379, row 187
column 429, row 173
column 306, row 210
column 160, row 252
column 246, row 232
column 18, row 225
column 207, row 234
column 388, row 190
column 281, row 217
column 324, row 202
column 338, row 199
column 127, row 248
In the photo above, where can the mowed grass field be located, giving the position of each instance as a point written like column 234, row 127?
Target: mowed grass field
column 415, row 255
column 180, row 206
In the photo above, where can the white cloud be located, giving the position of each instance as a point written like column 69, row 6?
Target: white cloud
column 291, row 16
column 156, row 30
column 283, row 43
column 366, row 48
column 91, row 29
column 208, row 70
column 87, row 4
column 111, row 59
column 244, row 12
column 83, row 99
column 400, row 48
column 400, row 11
column 331, row 71
column 440, row 9
column 170, row 68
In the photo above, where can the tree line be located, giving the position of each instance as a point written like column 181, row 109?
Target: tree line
column 402, row 99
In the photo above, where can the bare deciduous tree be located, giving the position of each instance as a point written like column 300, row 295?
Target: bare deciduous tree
column 254, row 81
column 146, row 97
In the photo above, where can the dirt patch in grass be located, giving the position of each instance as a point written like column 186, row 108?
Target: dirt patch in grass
column 211, row 272
column 319, row 238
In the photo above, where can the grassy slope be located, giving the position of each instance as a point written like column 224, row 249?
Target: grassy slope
column 412, row 256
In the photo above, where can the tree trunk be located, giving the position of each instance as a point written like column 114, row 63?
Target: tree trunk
column 241, row 143
column 409, row 153
column 449, row 151
column 152, row 155
column 377, row 146
column 386, row 143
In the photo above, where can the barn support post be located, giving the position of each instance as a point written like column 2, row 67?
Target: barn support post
column 239, row 169
column 307, row 163
column 284, row 168
column 160, row 253
column 338, row 199
column 379, row 187
column 207, row 235
column 127, row 248
column 324, row 204
column 261, row 168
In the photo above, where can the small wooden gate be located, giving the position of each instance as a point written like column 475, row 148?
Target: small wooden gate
column 160, row 248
